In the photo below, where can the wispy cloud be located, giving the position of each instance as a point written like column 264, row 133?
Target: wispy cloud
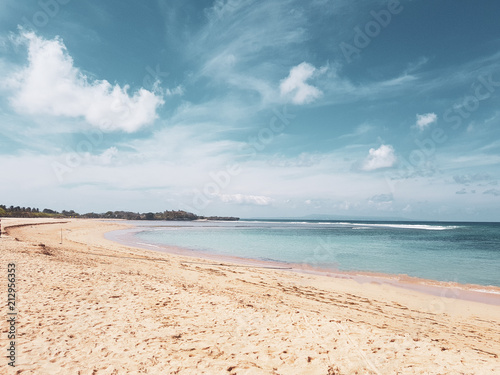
column 358, row 131
column 238, row 38
column 258, row 200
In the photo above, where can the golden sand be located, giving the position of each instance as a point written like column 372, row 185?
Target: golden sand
column 92, row 306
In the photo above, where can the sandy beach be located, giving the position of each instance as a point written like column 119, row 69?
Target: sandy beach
column 93, row 306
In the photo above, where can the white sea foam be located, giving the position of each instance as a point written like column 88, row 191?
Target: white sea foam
column 147, row 244
column 361, row 225
column 489, row 291
column 413, row 226
column 400, row 226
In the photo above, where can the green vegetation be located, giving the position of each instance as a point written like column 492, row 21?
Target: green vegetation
column 26, row 212
column 125, row 215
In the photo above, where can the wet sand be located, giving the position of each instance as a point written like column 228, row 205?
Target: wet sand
column 93, row 306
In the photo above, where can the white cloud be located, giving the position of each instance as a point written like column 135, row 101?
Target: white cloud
column 423, row 121
column 178, row 90
column 296, row 86
column 382, row 157
column 108, row 155
column 52, row 85
column 383, row 202
column 258, row 200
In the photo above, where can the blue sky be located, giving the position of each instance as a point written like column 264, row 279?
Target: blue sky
column 252, row 108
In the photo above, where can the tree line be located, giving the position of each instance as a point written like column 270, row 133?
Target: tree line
column 18, row 211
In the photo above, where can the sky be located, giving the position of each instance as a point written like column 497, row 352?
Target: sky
column 276, row 108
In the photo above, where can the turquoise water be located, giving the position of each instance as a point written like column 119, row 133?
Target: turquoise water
column 459, row 252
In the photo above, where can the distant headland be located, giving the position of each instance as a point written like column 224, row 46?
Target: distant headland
column 178, row 215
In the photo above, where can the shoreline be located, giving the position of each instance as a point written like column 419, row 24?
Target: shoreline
column 488, row 294
column 91, row 303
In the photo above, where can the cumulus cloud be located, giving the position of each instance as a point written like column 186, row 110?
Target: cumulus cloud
column 295, row 86
column 258, row 200
column 382, row 157
column 423, row 121
column 52, row 85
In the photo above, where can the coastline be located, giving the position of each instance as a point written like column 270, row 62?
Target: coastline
column 90, row 303
column 488, row 294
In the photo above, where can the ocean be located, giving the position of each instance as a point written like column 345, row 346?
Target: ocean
column 466, row 253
